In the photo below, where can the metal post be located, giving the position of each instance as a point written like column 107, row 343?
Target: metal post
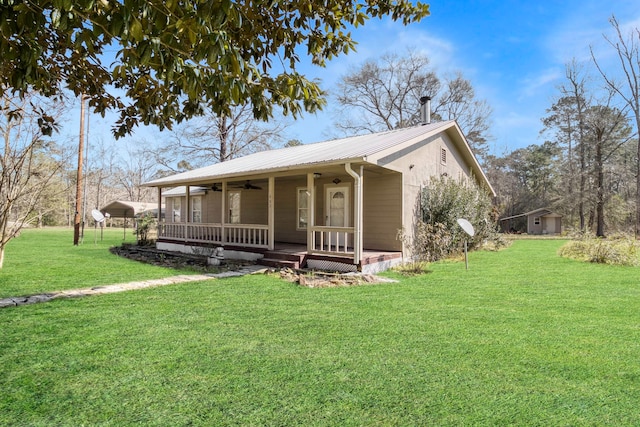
column 466, row 260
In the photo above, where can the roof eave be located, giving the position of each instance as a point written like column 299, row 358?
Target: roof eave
column 163, row 182
column 471, row 158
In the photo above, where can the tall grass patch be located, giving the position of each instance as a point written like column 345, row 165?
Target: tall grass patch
column 616, row 250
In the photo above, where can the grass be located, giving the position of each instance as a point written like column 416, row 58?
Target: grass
column 523, row 337
column 46, row 260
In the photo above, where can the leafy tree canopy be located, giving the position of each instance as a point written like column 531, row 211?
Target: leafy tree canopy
column 175, row 59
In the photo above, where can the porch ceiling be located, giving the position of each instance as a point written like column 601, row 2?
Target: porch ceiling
column 260, row 179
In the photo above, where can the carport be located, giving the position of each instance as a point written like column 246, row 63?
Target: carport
column 126, row 209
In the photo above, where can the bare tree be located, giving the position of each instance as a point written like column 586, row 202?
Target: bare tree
column 385, row 94
column 567, row 117
column 137, row 165
column 609, row 130
column 212, row 139
column 101, row 177
column 27, row 161
column 627, row 48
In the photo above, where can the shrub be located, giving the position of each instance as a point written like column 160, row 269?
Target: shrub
column 615, row 250
column 436, row 233
column 144, row 225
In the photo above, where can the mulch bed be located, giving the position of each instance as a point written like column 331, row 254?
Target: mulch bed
column 309, row 279
column 176, row 260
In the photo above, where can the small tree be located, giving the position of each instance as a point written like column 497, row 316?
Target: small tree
column 27, row 163
column 144, row 225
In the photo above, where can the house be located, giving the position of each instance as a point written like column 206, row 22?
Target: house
column 538, row 221
column 334, row 205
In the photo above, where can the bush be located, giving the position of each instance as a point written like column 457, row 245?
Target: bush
column 615, row 250
column 437, row 234
column 143, row 226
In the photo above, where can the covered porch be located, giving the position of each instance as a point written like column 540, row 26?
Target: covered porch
column 319, row 216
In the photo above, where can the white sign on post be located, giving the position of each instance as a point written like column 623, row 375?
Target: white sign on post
column 467, row 228
column 99, row 219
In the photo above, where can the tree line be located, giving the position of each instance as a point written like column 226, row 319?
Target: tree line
column 587, row 166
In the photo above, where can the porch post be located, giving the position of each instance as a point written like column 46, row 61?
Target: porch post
column 159, row 211
column 271, row 213
column 311, row 211
column 223, row 206
column 357, row 212
column 188, row 212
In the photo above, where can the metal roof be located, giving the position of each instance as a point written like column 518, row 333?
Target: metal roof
column 355, row 147
column 182, row 191
column 361, row 148
column 539, row 212
column 128, row 209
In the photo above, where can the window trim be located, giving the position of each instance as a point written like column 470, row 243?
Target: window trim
column 193, row 209
column 176, row 213
column 300, row 190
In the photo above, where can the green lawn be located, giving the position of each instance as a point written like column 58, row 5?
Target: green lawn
column 46, row 260
column 523, row 337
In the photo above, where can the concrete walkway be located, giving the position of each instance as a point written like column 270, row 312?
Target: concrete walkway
column 108, row 289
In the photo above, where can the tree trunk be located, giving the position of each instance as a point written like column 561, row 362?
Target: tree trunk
column 581, row 199
column 638, row 186
column 224, row 133
column 599, row 189
column 76, row 217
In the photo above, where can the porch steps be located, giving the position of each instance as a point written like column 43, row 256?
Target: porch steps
column 278, row 259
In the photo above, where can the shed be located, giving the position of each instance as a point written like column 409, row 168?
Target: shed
column 537, row 222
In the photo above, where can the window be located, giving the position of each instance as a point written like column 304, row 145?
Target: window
column 196, row 209
column 443, row 156
column 536, row 220
column 177, row 207
column 234, row 207
column 303, row 208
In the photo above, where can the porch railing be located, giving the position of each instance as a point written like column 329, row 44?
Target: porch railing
column 250, row 235
column 324, row 240
column 332, row 240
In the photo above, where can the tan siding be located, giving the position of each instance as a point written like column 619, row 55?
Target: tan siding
column 422, row 162
column 211, row 210
column 253, row 206
column 286, row 206
column 286, row 211
column 382, row 212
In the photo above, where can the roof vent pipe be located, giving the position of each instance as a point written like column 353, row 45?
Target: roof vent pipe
column 425, row 110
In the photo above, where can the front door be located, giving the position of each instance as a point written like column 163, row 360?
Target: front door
column 337, row 211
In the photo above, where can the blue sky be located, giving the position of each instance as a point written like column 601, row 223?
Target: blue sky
column 513, row 52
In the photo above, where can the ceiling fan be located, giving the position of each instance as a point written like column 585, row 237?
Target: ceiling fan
column 216, row 188
column 249, row 186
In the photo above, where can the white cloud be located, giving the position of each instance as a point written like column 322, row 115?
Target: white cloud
column 532, row 86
